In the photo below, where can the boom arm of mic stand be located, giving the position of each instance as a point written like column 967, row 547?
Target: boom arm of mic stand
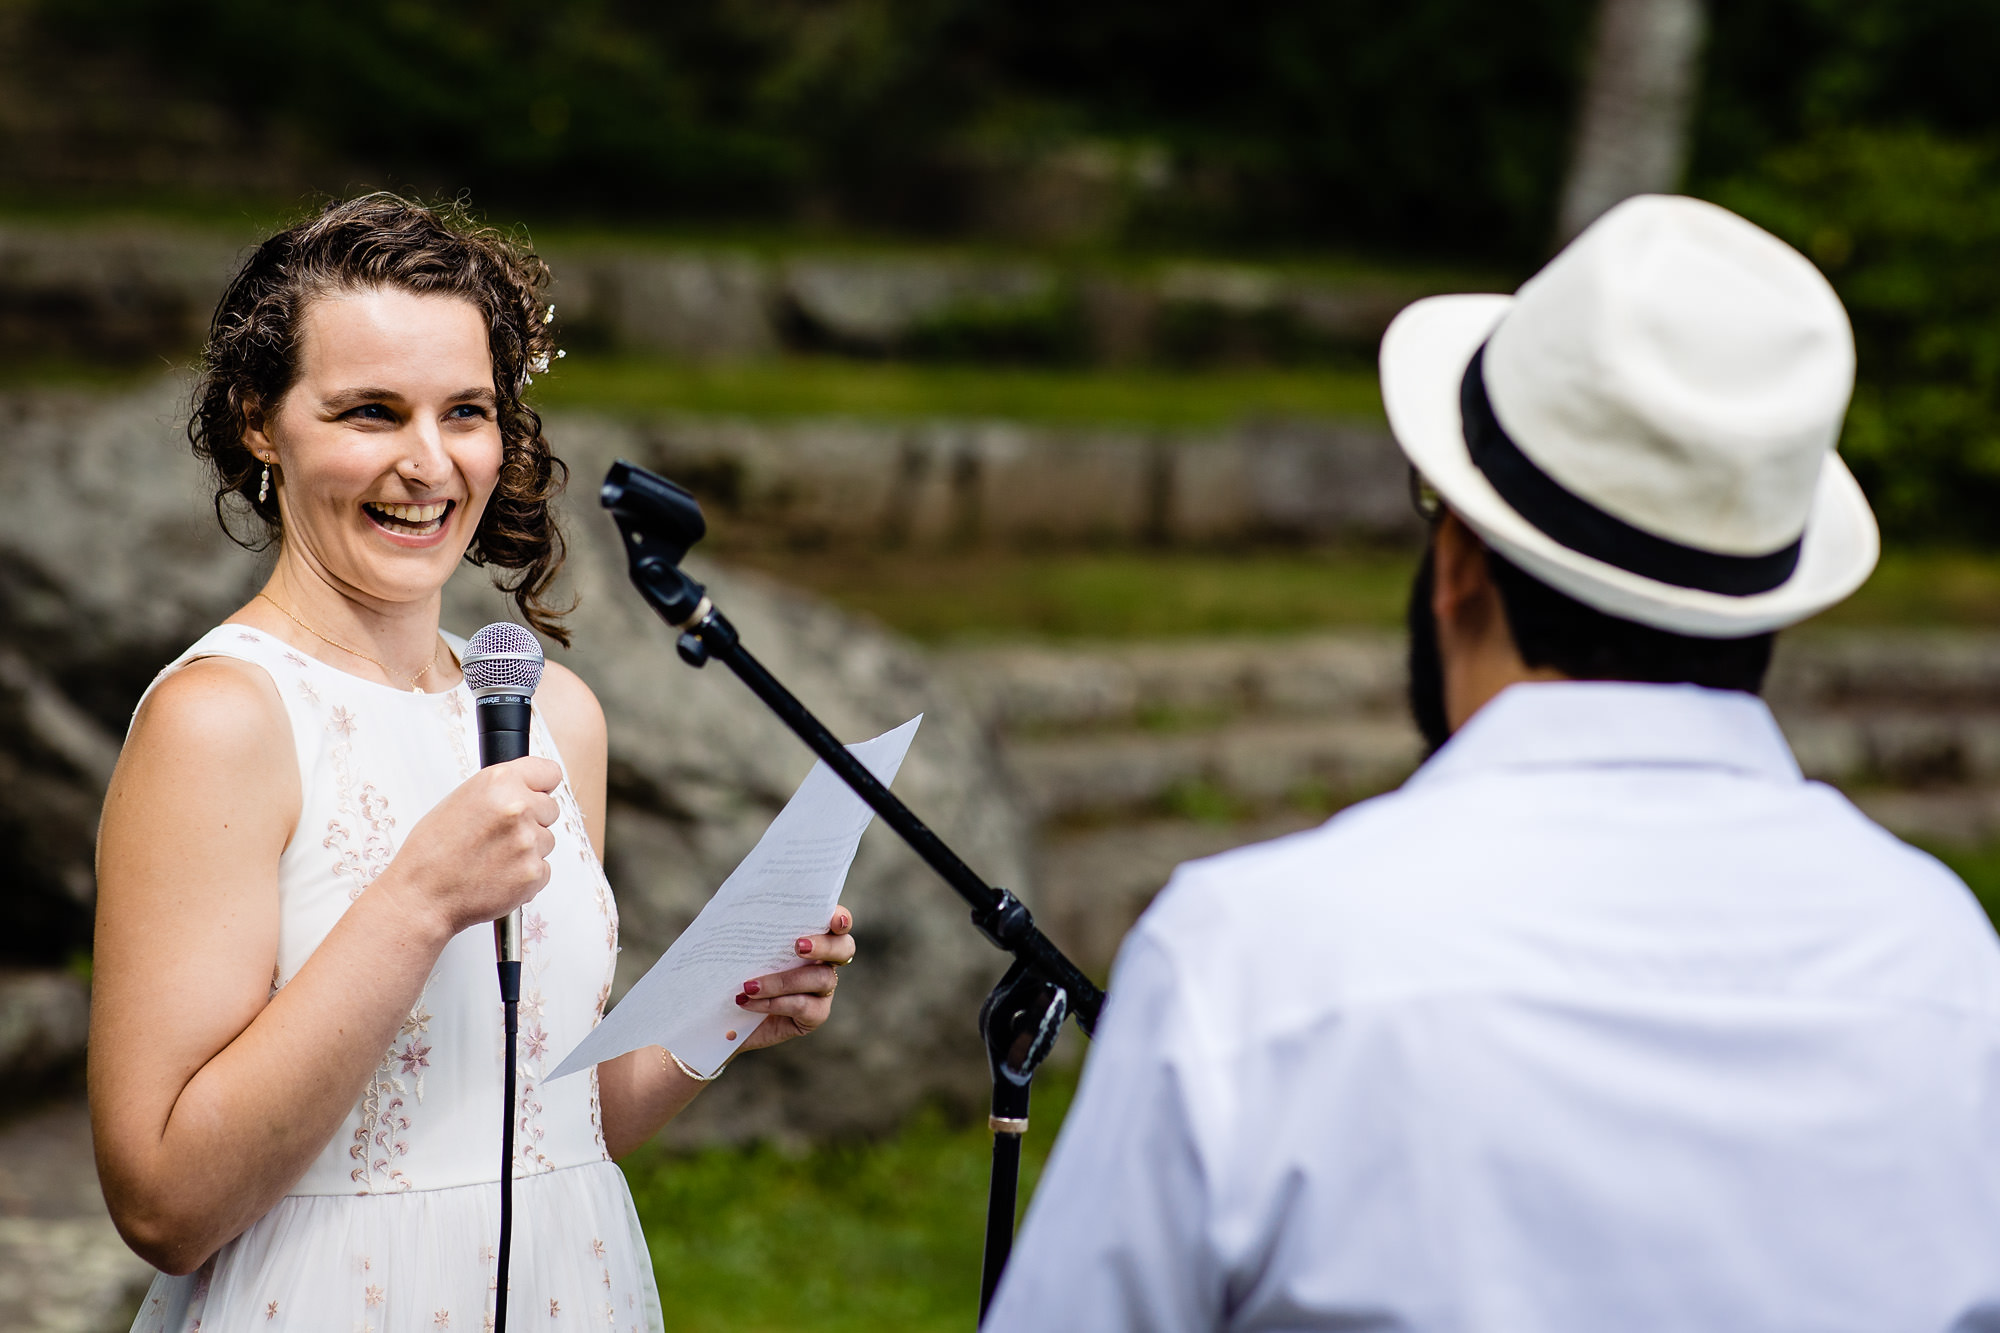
column 999, row 915
column 659, row 522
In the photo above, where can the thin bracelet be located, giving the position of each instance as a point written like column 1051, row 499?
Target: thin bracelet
column 681, row 1065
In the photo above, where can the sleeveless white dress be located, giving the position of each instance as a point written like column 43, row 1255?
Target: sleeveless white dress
column 393, row 1228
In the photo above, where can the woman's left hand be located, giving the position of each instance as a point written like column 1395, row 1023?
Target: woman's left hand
column 795, row 1002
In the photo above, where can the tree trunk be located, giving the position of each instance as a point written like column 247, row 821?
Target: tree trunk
column 1638, row 97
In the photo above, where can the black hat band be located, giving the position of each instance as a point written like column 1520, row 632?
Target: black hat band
column 1584, row 528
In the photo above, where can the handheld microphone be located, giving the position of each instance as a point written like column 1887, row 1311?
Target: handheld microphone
column 502, row 666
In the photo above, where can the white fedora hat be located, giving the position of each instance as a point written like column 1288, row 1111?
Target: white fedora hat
column 1649, row 424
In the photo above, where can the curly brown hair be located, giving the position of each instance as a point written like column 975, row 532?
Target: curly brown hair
column 374, row 241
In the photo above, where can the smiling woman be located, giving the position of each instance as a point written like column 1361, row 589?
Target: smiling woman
column 411, row 283
column 296, row 1046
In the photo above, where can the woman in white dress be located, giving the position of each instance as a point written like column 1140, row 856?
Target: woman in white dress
column 295, row 1051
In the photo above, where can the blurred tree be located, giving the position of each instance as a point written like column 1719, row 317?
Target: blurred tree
column 1638, row 95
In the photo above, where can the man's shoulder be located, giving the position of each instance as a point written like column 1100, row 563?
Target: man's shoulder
column 1466, row 884
column 1381, row 836
column 1335, row 868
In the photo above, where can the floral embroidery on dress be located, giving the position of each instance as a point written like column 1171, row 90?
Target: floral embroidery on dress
column 533, row 1049
column 458, row 728
column 381, row 1137
column 296, row 660
column 597, row 1116
column 358, row 863
column 414, row 1055
column 306, row 691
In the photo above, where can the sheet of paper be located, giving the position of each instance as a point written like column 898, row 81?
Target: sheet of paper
column 786, row 887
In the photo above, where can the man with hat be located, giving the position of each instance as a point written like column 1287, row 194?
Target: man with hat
column 1607, row 1019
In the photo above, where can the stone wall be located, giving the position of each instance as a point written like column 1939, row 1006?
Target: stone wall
column 940, row 483
column 134, row 289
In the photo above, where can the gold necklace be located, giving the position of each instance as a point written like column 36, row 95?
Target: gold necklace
column 415, row 688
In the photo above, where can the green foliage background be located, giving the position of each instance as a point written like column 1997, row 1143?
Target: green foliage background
column 1270, row 112
column 1865, row 131
column 1907, row 224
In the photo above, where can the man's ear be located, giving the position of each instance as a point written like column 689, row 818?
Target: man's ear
column 1461, row 585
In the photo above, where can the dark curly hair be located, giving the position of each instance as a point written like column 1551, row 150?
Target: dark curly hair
column 374, row 241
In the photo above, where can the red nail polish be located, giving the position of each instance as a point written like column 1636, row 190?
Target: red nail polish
column 751, row 987
column 804, row 946
column 742, row 999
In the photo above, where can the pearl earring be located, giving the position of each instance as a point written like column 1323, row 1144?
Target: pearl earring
column 264, row 489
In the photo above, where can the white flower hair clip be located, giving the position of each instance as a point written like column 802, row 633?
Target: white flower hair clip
column 539, row 366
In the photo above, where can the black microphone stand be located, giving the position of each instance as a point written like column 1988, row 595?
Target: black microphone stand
column 1023, row 1016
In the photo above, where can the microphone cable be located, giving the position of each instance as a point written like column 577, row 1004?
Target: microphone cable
column 510, row 1003
column 502, row 665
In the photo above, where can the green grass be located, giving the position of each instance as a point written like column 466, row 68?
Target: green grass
column 238, row 215
column 776, row 240
column 814, row 386
column 1000, row 594
column 253, row 212
column 68, row 372
column 857, row 1237
column 1914, row 589
column 938, row 597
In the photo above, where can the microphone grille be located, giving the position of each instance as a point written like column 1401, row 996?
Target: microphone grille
column 503, row 656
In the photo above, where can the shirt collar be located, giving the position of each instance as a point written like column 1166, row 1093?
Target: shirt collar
column 1585, row 724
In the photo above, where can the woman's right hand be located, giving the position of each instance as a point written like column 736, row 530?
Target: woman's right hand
column 482, row 851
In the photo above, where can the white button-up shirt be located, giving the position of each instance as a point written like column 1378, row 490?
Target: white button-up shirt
column 1606, row 1022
